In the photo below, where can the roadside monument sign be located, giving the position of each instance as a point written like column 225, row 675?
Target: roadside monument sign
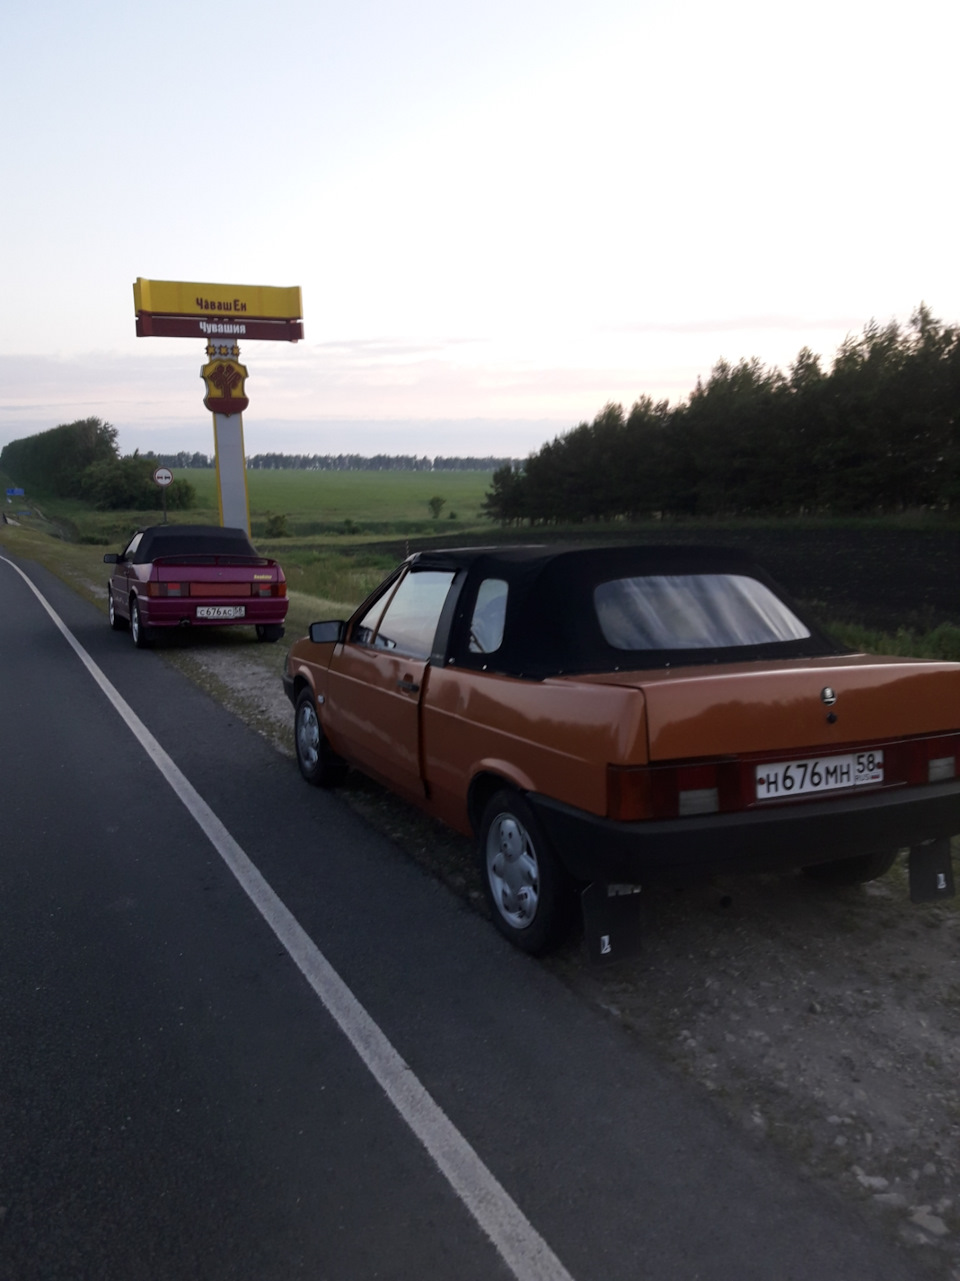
column 221, row 314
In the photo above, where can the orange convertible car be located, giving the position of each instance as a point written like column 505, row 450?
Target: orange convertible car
column 615, row 715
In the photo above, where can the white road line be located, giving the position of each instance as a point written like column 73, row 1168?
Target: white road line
column 522, row 1248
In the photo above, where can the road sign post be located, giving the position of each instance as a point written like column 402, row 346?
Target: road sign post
column 163, row 476
column 221, row 314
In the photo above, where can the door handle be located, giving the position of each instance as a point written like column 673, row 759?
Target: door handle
column 408, row 686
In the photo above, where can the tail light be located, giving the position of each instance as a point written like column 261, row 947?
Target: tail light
column 270, row 589
column 672, row 791
column 929, row 760
column 167, row 589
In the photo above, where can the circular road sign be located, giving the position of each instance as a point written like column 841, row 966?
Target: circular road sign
column 163, row 475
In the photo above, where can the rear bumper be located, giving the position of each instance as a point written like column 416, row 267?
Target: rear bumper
column 775, row 838
column 182, row 612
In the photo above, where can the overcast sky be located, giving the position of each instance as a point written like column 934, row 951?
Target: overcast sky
column 502, row 214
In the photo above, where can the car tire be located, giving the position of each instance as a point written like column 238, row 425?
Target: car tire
column 319, row 764
column 529, row 892
column 853, row 871
column 116, row 622
column 142, row 635
column 269, row 631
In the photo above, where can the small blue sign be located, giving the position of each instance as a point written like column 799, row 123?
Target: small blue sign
column 13, row 493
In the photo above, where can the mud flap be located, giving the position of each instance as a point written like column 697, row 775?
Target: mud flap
column 611, row 922
column 931, row 871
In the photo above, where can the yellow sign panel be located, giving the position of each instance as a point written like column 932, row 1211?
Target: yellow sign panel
column 252, row 302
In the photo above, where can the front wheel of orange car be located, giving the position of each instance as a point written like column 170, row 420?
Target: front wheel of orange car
column 319, row 764
column 529, row 892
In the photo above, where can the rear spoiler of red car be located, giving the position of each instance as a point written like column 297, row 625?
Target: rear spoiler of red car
column 202, row 559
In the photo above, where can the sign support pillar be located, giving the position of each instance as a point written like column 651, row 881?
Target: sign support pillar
column 231, row 471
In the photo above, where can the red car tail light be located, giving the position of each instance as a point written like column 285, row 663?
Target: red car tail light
column 270, row 589
column 924, row 760
column 630, row 793
column 165, row 589
column 672, row 791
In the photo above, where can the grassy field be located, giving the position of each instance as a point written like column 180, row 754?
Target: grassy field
column 326, row 581
column 886, row 586
column 316, row 502
column 322, row 511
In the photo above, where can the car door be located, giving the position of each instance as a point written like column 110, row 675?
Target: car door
column 121, row 579
column 376, row 680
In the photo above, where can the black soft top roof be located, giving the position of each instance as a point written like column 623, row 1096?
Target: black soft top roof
column 193, row 540
column 551, row 625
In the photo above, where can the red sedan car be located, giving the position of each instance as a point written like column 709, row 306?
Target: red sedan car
column 194, row 576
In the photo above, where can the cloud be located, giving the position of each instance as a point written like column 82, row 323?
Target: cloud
column 549, row 377
column 380, row 381
column 744, row 324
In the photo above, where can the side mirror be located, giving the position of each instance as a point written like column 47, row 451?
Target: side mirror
column 327, row 633
column 111, row 558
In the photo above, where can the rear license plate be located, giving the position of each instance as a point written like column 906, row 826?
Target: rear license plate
column 221, row 611
column 820, row 774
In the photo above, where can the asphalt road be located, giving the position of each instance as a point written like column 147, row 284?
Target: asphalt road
column 178, row 1101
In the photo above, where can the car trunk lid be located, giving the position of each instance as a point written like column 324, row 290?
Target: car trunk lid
column 217, row 575
column 803, row 706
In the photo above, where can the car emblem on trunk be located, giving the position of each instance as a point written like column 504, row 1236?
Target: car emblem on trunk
column 828, row 696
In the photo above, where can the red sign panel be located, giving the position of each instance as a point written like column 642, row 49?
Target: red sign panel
column 213, row 328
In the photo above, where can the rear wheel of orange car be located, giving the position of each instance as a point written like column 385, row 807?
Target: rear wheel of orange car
column 319, row 764
column 529, row 892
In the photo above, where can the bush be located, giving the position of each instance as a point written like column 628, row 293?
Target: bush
column 276, row 526
column 127, row 484
column 55, row 461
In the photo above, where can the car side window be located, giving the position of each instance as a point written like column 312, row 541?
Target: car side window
column 130, row 551
column 489, row 615
column 409, row 623
column 364, row 633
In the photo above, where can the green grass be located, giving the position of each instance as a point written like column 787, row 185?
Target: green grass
column 344, row 577
column 329, row 581
column 943, row 642
column 325, row 505
column 328, row 498
column 334, row 519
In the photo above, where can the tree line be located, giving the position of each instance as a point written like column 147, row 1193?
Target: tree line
column 181, row 460
column 81, row 460
column 876, row 432
column 378, row 462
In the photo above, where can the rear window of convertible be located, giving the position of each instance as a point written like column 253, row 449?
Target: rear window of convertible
column 692, row 611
